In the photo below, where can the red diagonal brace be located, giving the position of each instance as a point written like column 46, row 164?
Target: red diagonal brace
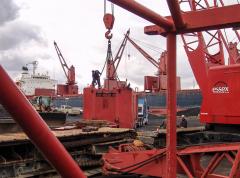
column 176, row 13
column 142, row 11
column 210, row 165
column 36, row 129
column 236, row 166
column 184, row 167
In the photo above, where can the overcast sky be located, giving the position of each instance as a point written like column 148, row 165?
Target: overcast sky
column 29, row 27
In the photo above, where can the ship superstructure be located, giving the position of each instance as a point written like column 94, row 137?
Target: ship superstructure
column 35, row 84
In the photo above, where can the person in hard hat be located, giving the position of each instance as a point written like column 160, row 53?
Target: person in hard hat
column 96, row 78
column 183, row 123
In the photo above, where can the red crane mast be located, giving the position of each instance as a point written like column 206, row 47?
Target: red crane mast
column 70, row 88
column 68, row 71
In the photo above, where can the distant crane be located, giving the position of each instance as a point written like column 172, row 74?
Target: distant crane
column 70, row 88
column 161, row 64
column 159, row 82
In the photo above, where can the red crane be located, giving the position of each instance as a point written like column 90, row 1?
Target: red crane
column 218, row 82
column 161, row 162
column 206, row 56
column 70, row 88
column 112, row 80
column 159, row 82
column 115, row 102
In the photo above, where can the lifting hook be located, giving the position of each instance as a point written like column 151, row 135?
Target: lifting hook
column 108, row 20
column 108, row 35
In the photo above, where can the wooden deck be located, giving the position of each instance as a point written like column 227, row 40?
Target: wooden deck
column 10, row 137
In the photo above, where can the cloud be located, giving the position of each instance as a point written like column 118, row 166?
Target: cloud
column 16, row 33
column 20, row 42
column 13, row 61
column 8, row 11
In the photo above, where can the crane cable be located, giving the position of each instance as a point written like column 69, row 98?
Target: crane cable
column 150, row 46
column 105, row 7
column 109, row 50
column 109, row 55
column 108, row 21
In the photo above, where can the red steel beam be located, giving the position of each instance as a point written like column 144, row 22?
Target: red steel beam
column 236, row 166
column 176, row 13
column 184, row 167
column 171, row 163
column 36, row 129
column 209, row 19
column 144, row 12
column 188, row 158
column 207, row 148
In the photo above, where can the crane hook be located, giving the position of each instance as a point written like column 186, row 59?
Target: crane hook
column 108, row 35
column 108, row 20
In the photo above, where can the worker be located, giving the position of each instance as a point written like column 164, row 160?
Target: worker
column 183, row 123
column 163, row 124
column 93, row 78
column 40, row 103
column 96, row 78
